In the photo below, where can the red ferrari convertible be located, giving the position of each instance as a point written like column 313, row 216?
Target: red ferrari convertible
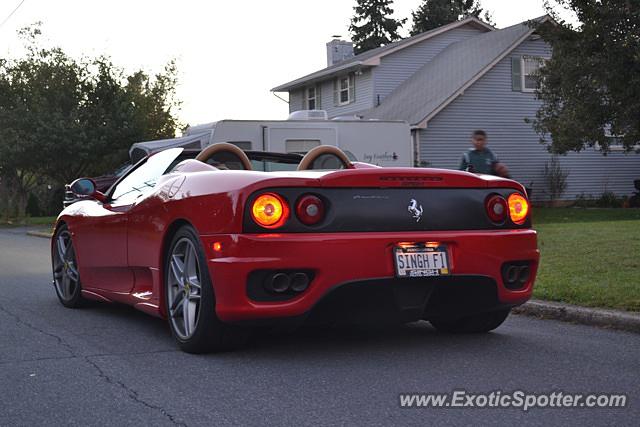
column 229, row 240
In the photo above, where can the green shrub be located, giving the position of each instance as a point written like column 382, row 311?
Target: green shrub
column 608, row 200
column 584, row 201
column 555, row 178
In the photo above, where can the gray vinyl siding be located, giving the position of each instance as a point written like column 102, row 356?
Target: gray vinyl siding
column 399, row 66
column 490, row 104
column 296, row 100
column 363, row 97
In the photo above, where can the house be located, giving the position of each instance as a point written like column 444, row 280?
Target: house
column 450, row 81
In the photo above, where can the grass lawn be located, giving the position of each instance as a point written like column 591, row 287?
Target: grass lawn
column 41, row 220
column 589, row 257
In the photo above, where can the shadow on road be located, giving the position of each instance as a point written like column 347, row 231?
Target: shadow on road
column 131, row 324
column 414, row 337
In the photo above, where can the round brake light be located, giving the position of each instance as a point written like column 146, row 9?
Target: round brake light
column 310, row 209
column 497, row 208
column 269, row 210
column 518, row 208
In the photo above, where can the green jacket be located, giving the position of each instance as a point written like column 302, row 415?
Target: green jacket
column 478, row 161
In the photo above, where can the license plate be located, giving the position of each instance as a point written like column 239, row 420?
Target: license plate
column 421, row 261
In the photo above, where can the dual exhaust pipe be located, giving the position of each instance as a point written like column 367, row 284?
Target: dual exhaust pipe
column 282, row 282
column 516, row 275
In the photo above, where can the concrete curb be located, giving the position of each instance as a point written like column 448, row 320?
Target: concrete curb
column 614, row 319
column 44, row 234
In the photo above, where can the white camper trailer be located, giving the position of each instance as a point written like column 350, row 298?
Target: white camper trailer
column 383, row 143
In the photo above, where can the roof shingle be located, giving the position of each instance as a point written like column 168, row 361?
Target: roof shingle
column 361, row 59
column 443, row 78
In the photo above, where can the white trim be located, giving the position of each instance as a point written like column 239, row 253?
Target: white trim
column 523, row 75
column 372, row 62
column 427, row 35
column 617, row 148
column 340, row 89
column 315, row 98
column 415, row 152
column 318, row 76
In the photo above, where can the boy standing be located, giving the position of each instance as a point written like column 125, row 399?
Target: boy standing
column 480, row 159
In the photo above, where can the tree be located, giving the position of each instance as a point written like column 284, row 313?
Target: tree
column 591, row 86
column 372, row 26
column 61, row 118
column 436, row 13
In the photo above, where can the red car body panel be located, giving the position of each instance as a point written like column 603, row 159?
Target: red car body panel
column 331, row 257
column 120, row 248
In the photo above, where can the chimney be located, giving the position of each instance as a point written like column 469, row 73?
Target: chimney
column 338, row 50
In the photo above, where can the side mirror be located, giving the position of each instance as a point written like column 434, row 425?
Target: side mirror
column 86, row 187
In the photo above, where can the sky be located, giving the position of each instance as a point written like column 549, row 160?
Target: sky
column 229, row 53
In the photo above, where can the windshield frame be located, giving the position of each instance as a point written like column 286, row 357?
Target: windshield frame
column 141, row 163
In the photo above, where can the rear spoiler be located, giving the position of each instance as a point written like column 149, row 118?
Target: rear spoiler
column 377, row 177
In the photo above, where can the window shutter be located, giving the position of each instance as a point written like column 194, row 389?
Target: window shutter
column 336, row 95
column 318, row 97
column 516, row 74
column 352, row 88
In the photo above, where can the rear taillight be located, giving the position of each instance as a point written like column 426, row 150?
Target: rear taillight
column 270, row 210
column 497, row 208
column 518, row 208
column 310, row 209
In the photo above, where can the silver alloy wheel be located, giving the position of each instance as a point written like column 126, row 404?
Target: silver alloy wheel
column 65, row 270
column 184, row 288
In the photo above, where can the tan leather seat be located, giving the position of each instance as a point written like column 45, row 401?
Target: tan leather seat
column 321, row 150
column 221, row 147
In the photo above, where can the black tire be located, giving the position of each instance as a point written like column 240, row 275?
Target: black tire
column 473, row 324
column 209, row 333
column 66, row 276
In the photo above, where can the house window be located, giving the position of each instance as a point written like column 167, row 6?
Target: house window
column 524, row 73
column 614, row 142
column 530, row 67
column 344, row 90
column 312, row 98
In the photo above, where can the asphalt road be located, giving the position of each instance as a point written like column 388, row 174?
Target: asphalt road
column 109, row 364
